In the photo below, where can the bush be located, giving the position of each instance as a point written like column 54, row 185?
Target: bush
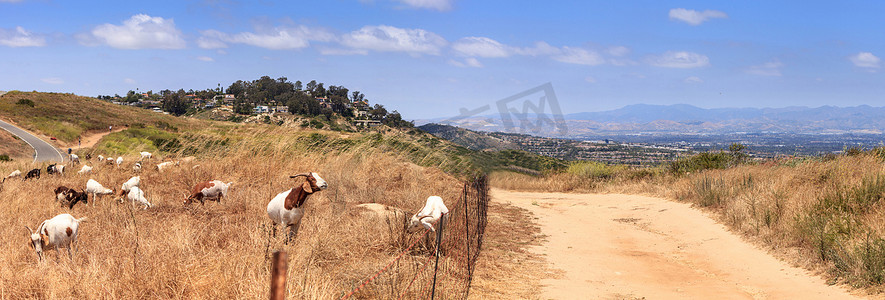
column 702, row 161
column 594, row 170
column 4, row 157
column 25, row 102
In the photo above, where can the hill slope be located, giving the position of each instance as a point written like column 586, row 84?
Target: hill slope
column 67, row 116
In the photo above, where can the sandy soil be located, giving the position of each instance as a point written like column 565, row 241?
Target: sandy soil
column 89, row 139
column 634, row 247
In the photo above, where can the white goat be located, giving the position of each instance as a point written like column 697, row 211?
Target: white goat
column 75, row 158
column 97, row 190
column 58, row 232
column 145, row 155
column 85, row 169
column 119, row 160
column 101, row 158
column 286, row 207
column 137, row 195
column 16, row 173
column 128, row 185
column 433, row 210
column 163, row 165
column 136, row 167
column 109, row 160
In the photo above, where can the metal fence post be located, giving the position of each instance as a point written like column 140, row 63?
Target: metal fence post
column 439, row 233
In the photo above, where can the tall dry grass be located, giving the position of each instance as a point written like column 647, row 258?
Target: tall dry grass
column 220, row 250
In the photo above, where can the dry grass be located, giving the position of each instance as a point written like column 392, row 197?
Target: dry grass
column 823, row 214
column 14, row 147
column 507, row 269
column 219, row 251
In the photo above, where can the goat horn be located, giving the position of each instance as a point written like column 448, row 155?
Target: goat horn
column 300, row 174
column 29, row 229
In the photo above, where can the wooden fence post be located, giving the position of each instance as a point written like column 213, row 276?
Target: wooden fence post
column 278, row 276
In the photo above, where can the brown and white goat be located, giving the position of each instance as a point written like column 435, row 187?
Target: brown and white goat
column 286, row 207
column 209, row 190
column 58, row 232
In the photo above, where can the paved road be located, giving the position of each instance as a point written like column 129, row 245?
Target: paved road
column 43, row 151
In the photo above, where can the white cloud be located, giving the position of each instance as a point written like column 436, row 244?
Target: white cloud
column 865, row 60
column 53, row 80
column 481, row 47
column 205, row 58
column 590, row 79
column 694, row 17
column 469, row 62
column 579, row 56
column 138, row 32
column 540, row 48
column 280, row 38
column 440, row 5
column 680, row 59
column 767, row 69
column 385, row 38
column 20, row 38
column 340, row 51
column 693, row 79
column 618, row 51
column 129, row 80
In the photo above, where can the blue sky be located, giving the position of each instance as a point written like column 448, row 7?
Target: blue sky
column 428, row 58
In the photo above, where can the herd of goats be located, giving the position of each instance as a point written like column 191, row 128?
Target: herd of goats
column 286, row 208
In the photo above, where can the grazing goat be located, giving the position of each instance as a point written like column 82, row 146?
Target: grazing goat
column 85, row 169
column 215, row 189
column 88, row 156
column 145, row 155
column 69, row 197
column 286, row 207
column 55, row 168
column 433, row 210
column 119, row 161
column 58, row 232
column 75, row 158
column 109, row 160
column 100, row 157
column 14, row 174
column 137, row 195
column 163, row 165
column 97, row 190
column 35, row 173
column 129, row 184
column 136, row 167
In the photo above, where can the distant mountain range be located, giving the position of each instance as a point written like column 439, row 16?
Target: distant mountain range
column 688, row 119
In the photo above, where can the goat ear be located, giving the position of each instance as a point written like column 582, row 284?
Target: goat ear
column 306, row 187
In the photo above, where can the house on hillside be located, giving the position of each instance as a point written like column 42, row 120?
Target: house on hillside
column 281, row 108
column 260, row 109
column 226, row 99
column 366, row 123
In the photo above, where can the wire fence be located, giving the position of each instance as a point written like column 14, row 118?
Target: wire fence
column 442, row 264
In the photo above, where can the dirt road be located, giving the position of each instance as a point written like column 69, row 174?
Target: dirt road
column 634, row 247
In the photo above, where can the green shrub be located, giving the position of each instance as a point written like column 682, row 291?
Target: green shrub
column 594, row 170
column 4, row 157
column 25, row 102
column 702, row 161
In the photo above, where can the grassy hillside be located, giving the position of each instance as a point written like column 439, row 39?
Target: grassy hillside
column 218, row 250
column 468, row 138
column 66, row 116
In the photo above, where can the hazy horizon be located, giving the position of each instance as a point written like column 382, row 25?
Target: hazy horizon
column 430, row 58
